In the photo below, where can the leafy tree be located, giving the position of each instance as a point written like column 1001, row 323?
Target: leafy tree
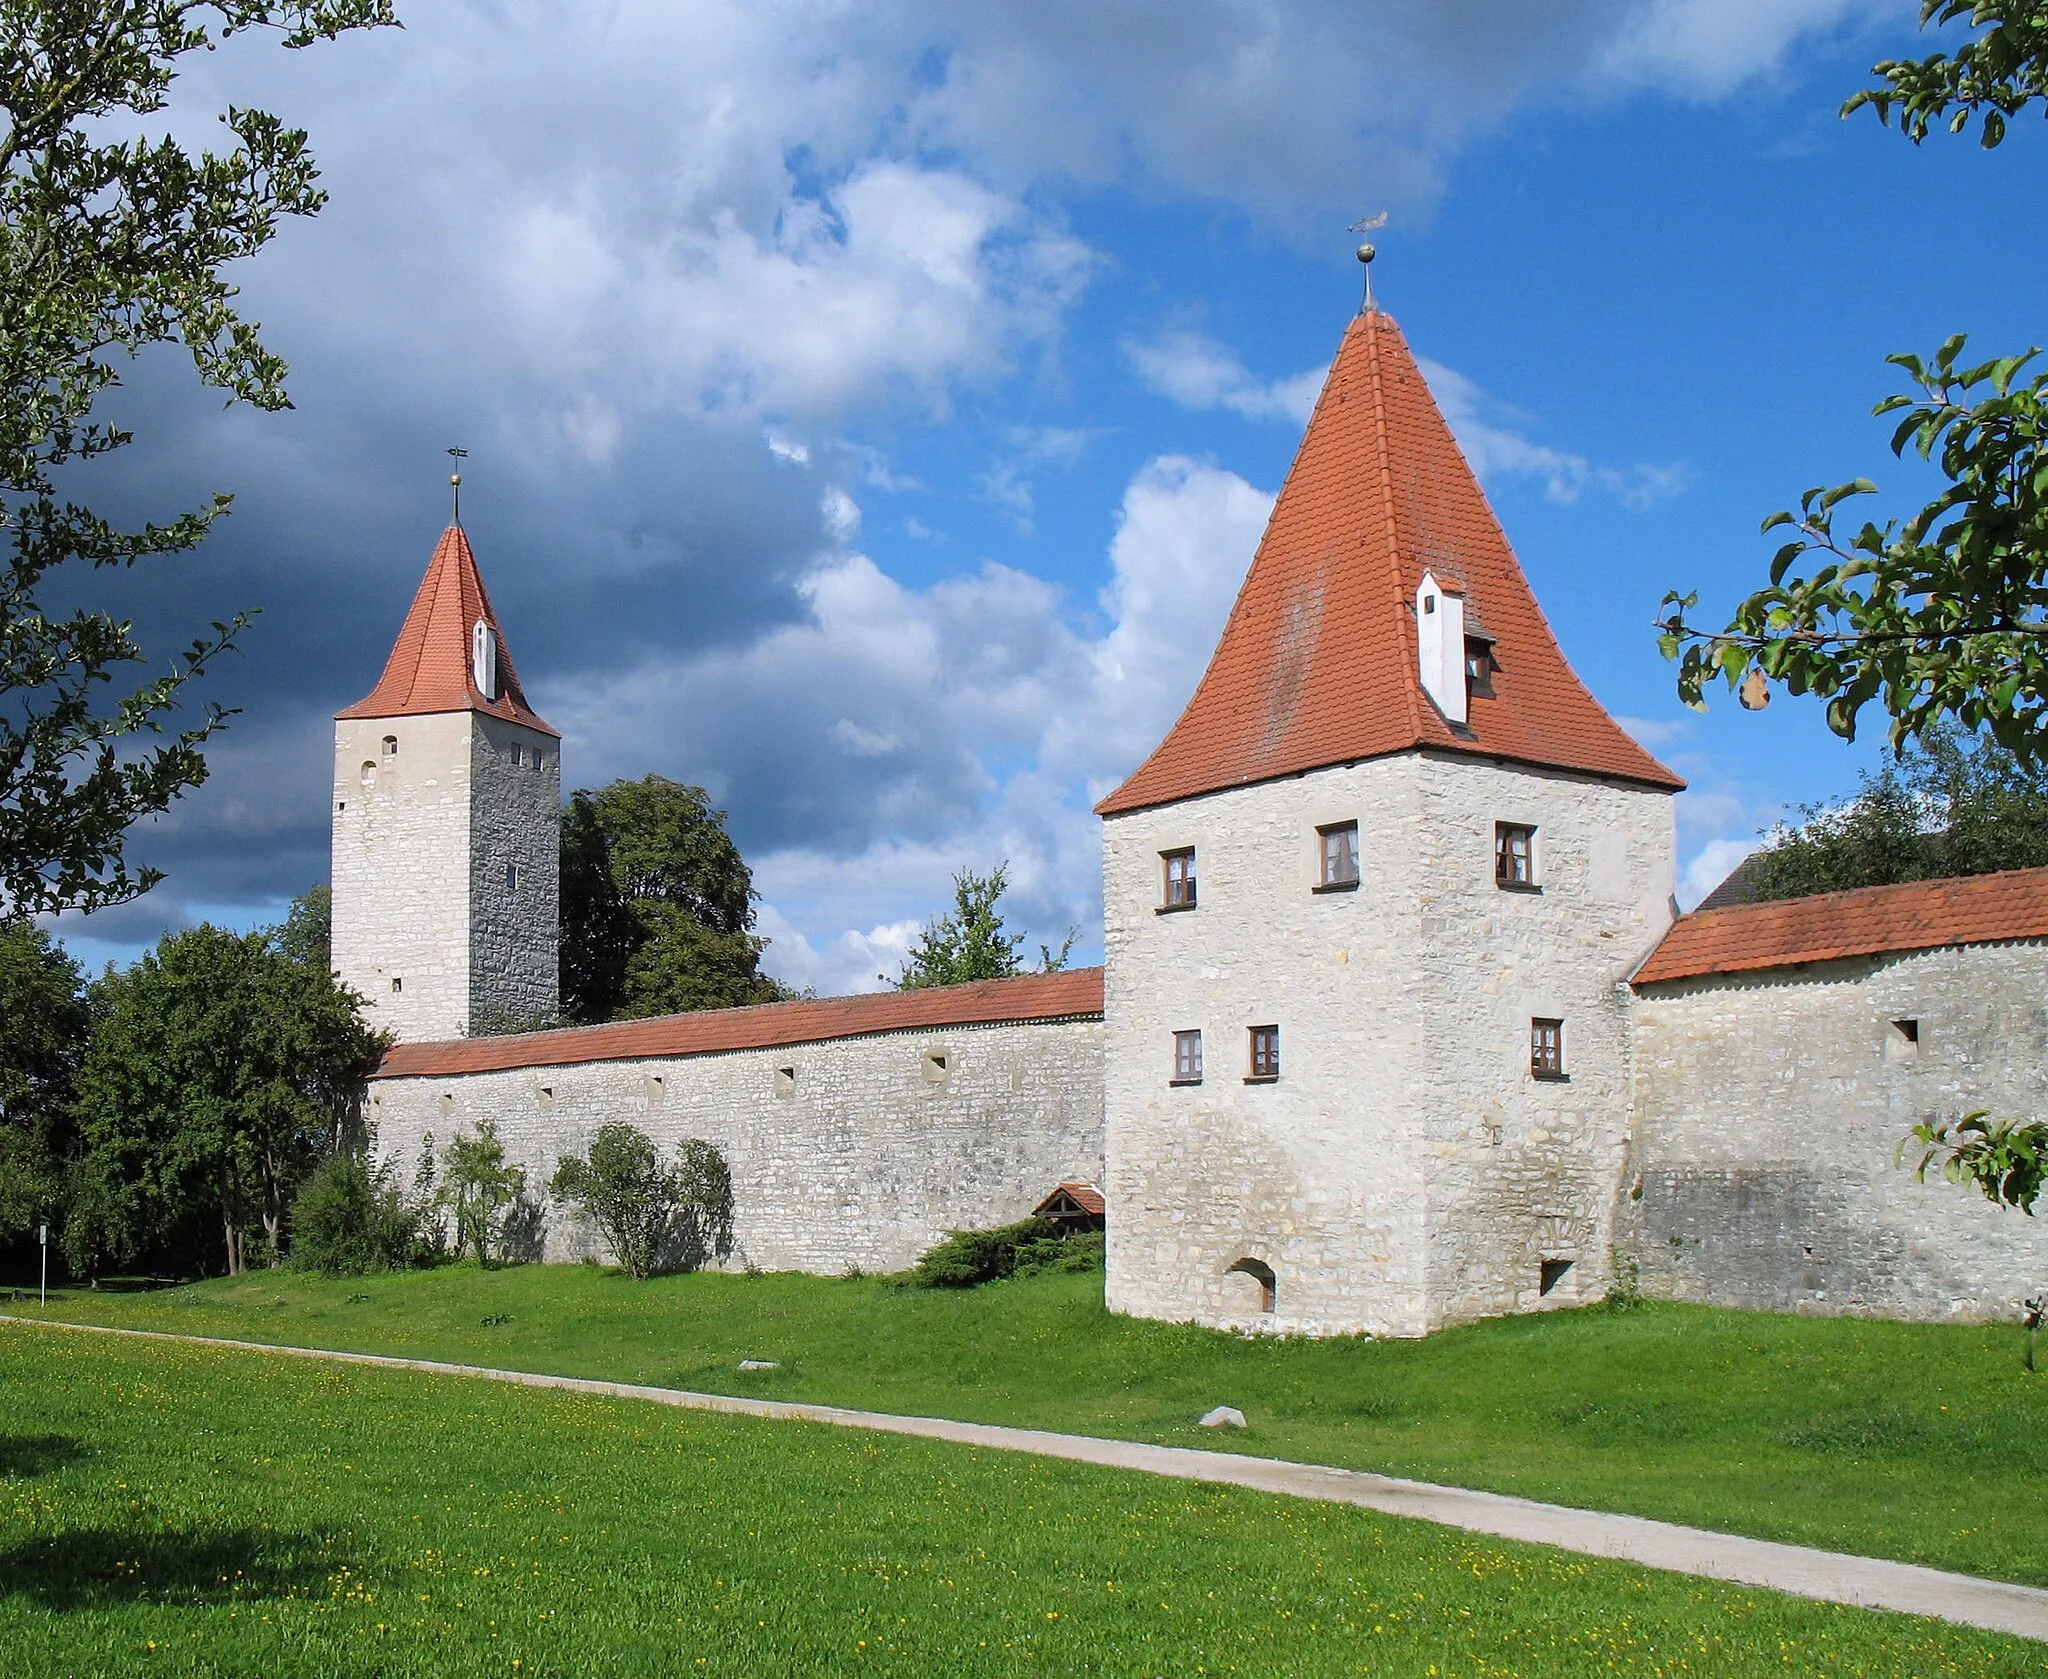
column 646, row 1210
column 109, row 246
column 1943, row 614
column 219, row 1072
column 972, row 942
column 478, row 1189
column 43, row 1027
column 657, row 906
column 306, row 935
column 2006, row 1159
column 1948, row 805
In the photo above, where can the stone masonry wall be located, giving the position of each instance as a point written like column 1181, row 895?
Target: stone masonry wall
column 1405, row 1171
column 401, row 870
column 863, row 1155
column 1768, row 1110
column 1522, row 1170
column 515, row 822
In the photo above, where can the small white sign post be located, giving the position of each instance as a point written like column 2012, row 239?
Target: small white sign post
column 43, row 1241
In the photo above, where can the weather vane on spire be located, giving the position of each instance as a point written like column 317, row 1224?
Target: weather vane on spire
column 455, row 483
column 1366, row 252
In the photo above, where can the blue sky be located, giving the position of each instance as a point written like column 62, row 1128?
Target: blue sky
column 872, row 409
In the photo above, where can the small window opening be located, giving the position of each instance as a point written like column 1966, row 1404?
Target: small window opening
column 1187, row 1057
column 342, row 805
column 785, row 1081
column 1180, row 878
column 1546, row 1049
column 1262, row 1274
column 447, row 1101
column 1429, row 603
column 1337, row 856
column 1479, row 667
column 1902, row 1041
column 545, row 1095
column 397, row 985
column 518, row 755
column 655, row 1087
column 391, row 746
column 369, row 772
column 934, row 1066
column 1514, row 855
column 1265, row 1055
column 511, row 877
column 1550, row 1273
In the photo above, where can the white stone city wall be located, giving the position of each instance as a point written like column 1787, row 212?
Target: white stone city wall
column 867, row 1163
column 515, row 819
column 1769, row 1107
column 1523, row 1170
column 401, row 870
column 1405, row 1172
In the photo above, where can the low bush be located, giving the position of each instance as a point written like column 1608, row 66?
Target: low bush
column 351, row 1217
column 653, row 1216
column 1031, row 1246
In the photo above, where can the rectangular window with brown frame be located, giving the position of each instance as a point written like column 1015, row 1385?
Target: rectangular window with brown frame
column 1514, row 857
column 1337, row 857
column 1546, row 1049
column 1180, row 878
column 1479, row 667
column 1187, row 1057
column 1265, row 1055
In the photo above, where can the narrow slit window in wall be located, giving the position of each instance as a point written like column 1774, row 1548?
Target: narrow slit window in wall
column 1187, row 1057
column 655, row 1087
column 397, row 985
column 1337, row 856
column 935, row 1068
column 545, row 1095
column 1180, row 878
column 511, row 877
column 785, row 1081
column 1265, row 1055
column 1514, row 855
column 518, row 755
column 391, row 746
column 369, row 773
column 1902, row 1040
column 1546, row 1049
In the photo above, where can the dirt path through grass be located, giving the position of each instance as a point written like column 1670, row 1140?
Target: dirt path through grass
column 1865, row 1582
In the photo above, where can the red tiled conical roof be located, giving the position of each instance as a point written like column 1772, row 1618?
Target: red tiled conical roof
column 429, row 669
column 1318, row 663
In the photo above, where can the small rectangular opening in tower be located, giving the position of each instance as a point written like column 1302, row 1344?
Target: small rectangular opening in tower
column 785, row 1081
column 1546, row 1049
column 1902, row 1040
column 656, row 1087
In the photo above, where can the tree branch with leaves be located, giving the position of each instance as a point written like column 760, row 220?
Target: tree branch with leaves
column 109, row 246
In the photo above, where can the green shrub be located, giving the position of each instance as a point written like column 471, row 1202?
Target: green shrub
column 968, row 1258
column 479, row 1189
column 350, row 1217
column 653, row 1216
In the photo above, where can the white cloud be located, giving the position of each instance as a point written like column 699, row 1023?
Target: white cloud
column 1707, row 48
column 1708, row 867
column 1495, row 441
column 1197, row 372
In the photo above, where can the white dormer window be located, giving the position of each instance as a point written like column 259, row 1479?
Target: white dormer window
column 483, row 659
column 1440, row 646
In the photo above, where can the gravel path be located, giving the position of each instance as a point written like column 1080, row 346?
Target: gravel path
column 1868, row 1582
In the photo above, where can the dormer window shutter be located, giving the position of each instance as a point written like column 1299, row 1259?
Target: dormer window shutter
column 483, row 659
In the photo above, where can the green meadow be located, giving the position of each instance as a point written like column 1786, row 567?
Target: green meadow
column 1926, row 1443
column 177, row 1510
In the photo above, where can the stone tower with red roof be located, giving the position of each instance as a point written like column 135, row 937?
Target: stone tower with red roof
column 1370, row 908
column 447, row 786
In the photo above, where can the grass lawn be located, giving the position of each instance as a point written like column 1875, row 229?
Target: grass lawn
column 1922, row 1442
column 189, row 1511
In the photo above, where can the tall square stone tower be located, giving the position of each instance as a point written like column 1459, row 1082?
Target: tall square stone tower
column 1369, row 909
column 447, row 795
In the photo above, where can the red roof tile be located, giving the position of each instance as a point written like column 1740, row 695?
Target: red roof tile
column 1317, row 665
column 1084, row 1195
column 429, row 669
column 1074, row 994
column 1922, row 915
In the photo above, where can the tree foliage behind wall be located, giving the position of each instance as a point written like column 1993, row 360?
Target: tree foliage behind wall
column 657, row 906
column 971, row 941
column 43, row 1027
column 1952, row 805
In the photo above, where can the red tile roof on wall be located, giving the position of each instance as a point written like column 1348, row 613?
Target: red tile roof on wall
column 1074, row 994
column 1317, row 665
column 1084, row 1195
column 429, row 669
column 1922, row 915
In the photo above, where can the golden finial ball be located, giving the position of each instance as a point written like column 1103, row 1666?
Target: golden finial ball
column 455, row 478
column 1366, row 253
